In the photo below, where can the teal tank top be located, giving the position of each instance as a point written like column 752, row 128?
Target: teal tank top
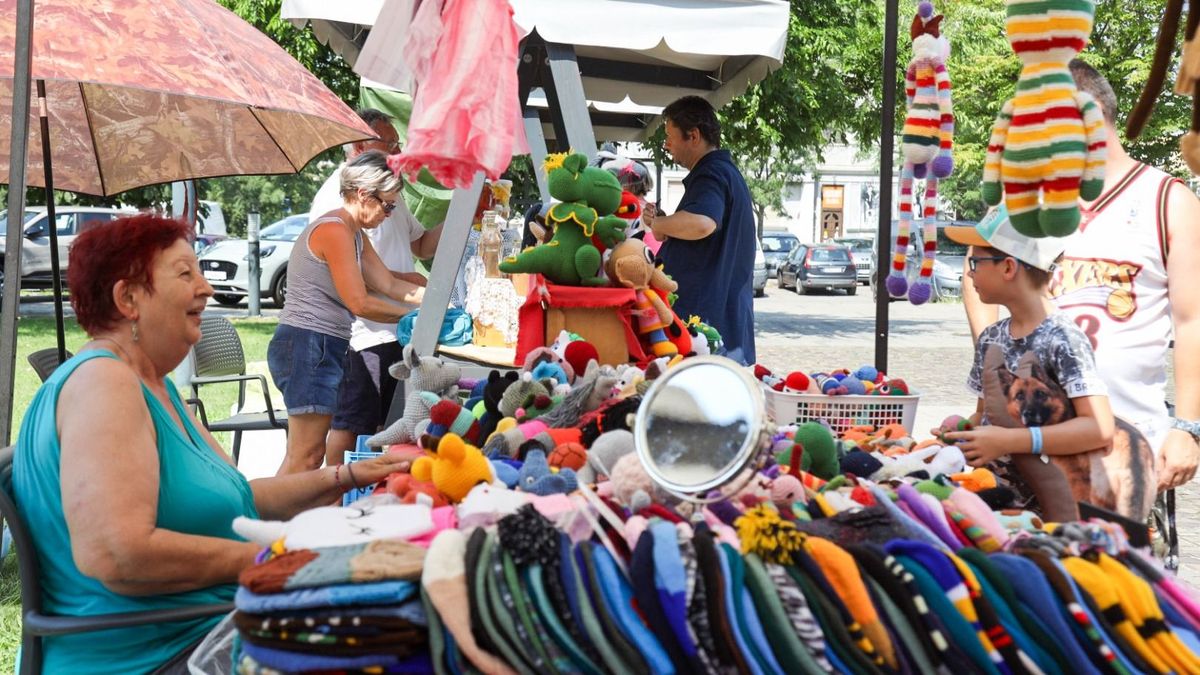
column 198, row 493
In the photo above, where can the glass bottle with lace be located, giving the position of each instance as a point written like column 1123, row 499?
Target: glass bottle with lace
column 491, row 246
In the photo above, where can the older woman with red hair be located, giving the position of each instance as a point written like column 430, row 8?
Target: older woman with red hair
column 134, row 499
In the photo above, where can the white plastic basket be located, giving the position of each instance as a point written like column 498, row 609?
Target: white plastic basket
column 842, row 412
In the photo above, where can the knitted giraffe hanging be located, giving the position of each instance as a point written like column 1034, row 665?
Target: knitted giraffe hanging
column 926, row 145
column 1048, row 144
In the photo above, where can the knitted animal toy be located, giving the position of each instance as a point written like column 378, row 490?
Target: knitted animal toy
column 604, row 453
column 632, row 265
column 454, row 467
column 1187, row 82
column 521, row 393
column 488, row 409
column 715, row 342
column 450, row 417
column 365, row 520
column 422, row 374
column 926, row 146
column 589, row 196
column 1048, row 144
column 536, row 476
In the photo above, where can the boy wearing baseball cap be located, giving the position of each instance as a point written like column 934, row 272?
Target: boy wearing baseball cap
column 1013, row 270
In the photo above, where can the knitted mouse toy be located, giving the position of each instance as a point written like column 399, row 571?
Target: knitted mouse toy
column 422, row 374
column 1047, row 148
column 926, row 145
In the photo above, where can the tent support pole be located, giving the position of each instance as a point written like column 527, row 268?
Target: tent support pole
column 52, row 222
column 10, row 299
column 537, row 151
column 570, row 100
column 883, row 239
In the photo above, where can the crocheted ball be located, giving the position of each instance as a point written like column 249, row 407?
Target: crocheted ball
column 569, row 455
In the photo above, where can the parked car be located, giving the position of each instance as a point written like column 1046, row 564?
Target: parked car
column 818, row 266
column 760, row 271
column 947, row 263
column 776, row 246
column 226, row 264
column 861, row 250
column 70, row 221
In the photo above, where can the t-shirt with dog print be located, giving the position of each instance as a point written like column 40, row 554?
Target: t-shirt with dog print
column 1060, row 347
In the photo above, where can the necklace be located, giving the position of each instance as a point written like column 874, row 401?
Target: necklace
column 116, row 344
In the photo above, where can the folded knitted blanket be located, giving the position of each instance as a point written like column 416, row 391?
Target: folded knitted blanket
column 339, row 619
column 354, row 563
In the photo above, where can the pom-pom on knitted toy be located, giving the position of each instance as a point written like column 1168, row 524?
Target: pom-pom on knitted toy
column 454, row 467
column 1047, row 148
column 762, row 531
column 926, row 147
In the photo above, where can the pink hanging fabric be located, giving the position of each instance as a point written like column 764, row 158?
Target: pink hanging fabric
column 466, row 116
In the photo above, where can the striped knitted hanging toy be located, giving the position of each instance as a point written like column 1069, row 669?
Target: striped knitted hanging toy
column 926, row 145
column 1048, row 144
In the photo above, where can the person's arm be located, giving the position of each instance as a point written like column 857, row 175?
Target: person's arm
column 413, row 278
column 1090, row 429
column 333, row 242
column 979, row 314
column 1179, row 455
column 109, row 482
column 424, row 246
column 380, row 279
column 682, row 225
column 282, row 497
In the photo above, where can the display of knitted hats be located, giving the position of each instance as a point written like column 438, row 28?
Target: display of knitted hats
column 454, row 467
column 926, row 147
column 1042, row 170
column 588, row 196
column 420, row 374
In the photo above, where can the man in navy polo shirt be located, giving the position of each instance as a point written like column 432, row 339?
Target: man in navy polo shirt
column 708, row 243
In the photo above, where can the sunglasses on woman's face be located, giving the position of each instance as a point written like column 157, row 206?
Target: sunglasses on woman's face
column 388, row 207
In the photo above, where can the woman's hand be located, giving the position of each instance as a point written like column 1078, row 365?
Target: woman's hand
column 370, row 471
column 985, row 444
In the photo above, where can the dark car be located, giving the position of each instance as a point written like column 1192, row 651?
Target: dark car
column 776, row 246
column 947, row 265
column 819, row 266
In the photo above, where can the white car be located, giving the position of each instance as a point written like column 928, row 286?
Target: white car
column 69, row 221
column 226, row 263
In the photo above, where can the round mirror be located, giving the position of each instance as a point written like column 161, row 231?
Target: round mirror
column 700, row 425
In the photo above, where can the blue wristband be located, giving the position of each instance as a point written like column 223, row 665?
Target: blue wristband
column 1035, row 434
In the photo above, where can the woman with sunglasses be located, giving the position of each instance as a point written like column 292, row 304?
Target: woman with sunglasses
column 333, row 275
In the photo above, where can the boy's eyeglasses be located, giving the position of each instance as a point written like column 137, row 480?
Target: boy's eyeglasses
column 388, row 207
column 974, row 260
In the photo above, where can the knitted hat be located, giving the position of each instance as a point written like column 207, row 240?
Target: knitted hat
column 843, row 574
column 450, row 417
column 445, row 582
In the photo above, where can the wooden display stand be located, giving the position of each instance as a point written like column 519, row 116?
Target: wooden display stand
column 602, row 316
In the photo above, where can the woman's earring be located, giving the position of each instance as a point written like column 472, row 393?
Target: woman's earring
column 136, row 337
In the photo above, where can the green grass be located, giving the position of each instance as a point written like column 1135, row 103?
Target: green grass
column 38, row 333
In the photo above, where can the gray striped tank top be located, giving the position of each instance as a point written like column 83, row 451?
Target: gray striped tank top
column 313, row 302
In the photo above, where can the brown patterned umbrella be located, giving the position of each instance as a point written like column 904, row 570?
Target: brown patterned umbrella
column 150, row 91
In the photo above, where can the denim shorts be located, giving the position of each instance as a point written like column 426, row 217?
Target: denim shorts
column 365, row 395
column 307, row 367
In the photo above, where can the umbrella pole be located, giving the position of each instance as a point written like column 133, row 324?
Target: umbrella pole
column 55, row 265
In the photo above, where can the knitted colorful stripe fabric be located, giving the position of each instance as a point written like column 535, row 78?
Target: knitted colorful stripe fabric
column 1047, row 147
column 356, row 563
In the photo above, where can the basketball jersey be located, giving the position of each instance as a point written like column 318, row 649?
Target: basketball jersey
column 1113, row 285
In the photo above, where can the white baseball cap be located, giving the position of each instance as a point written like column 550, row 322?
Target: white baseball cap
column 995, row 230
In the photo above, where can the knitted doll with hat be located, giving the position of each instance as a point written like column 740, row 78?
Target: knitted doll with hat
column 1047, row 148
column 926, row 145
column 632, row 265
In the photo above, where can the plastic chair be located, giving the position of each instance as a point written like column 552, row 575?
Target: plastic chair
column 217, row 358
column 35, row 624
column 45, row 361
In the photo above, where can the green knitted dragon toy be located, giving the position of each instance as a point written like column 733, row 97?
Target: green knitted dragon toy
column 582, row 223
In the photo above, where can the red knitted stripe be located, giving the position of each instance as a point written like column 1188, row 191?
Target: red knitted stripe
column 1074, row 43
column 1096, row 146
column 1055, row 113
column 921, row 122
column 1057, row 184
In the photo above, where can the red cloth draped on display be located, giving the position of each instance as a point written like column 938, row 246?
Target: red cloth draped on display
column 466, row 116
column 533, row 314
